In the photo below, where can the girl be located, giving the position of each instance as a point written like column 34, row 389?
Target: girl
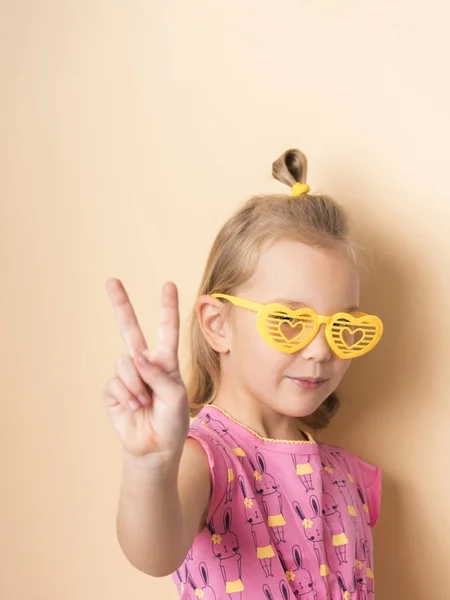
column 244, row 503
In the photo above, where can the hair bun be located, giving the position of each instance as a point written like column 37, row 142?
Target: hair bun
column 291, row 167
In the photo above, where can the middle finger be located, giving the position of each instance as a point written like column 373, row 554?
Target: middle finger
column 127, row 372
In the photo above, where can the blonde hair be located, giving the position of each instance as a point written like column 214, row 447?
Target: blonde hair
column 315, row 220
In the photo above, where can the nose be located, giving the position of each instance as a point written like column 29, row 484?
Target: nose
column 318, row 349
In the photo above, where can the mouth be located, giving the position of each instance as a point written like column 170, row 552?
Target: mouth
column 308, row 383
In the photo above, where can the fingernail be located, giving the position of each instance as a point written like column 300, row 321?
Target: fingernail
column 144, row 400
column 141, row 358
column 134, row 404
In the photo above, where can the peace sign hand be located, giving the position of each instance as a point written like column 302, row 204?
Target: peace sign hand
column 147, row 401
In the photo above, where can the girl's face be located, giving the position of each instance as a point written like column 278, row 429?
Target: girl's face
column 296, row 275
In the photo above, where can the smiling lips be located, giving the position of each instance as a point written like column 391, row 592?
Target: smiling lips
column 308, row 383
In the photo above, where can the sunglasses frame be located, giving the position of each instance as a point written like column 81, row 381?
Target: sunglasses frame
column 333, row 328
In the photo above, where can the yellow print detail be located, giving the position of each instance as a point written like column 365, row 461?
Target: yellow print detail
column 234, row 586
column 265, row 552
column 238, row 452
column 340, row 540
column 305, row 469
column 276, row 521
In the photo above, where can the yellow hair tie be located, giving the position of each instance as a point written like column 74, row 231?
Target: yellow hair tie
column 300, row 188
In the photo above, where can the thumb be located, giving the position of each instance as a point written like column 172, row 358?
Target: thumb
column 157, row 379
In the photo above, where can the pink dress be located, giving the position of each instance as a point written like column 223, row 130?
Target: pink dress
column 286, row 520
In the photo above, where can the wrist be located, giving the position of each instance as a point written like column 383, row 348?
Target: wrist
column 156, row 462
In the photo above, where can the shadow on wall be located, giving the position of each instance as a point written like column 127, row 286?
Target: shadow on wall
column 378, row 393
column 394, row 577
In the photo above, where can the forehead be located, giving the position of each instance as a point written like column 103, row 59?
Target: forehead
column 325, row 279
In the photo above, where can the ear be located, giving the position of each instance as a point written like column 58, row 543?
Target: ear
column 267, row 592
column 191, row 582
column 298, row 510
column 284, row 590
column 283, row 564
column 210, row 527
column 204, row 573
column 227, row 520
column 360, row 494
column 315, row 505
column 261, row 462
column 341, row 581
column 242, row 485
column 297, row 556
column 211, row 318
column 322, row 480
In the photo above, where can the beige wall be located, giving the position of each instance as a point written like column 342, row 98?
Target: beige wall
column 125, row 128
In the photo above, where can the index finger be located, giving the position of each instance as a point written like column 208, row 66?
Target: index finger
column 126, row 317
column 169, row 323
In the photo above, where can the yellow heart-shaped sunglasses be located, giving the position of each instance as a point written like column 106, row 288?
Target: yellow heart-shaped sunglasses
column 290, row 330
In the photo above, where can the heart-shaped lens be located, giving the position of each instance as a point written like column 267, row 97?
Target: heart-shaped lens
column 287, row 330
column 350, row 337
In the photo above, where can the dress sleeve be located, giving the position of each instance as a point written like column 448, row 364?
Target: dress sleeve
column 219, row 466
column 371, row 484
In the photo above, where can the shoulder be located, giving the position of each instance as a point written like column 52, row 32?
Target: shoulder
column 366, row 477
column 205, row 449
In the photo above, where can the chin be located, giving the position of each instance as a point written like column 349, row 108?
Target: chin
column 298, row 408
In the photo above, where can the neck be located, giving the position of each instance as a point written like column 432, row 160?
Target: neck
column 258, row 416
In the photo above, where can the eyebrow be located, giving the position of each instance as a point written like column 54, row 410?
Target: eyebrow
column 297, row 304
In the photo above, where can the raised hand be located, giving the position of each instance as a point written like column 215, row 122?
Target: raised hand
column 147, row 401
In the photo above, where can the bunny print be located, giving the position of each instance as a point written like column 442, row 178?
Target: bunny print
column 267, row 592
column 337, row 455
column 205, row 592
column 346, row 593
column 225, row 547
column 254, row 517
column 360, row 583
column 369, row 572
column 183, row 575
column 300, row 579
column 279, row 526
column 333, row 519
column 313, row 529
column 339, row 480
column 266, row 487
column 284, row 590
column 363, row 503
column 219, row 427
column 304, row 470
column 230, row 472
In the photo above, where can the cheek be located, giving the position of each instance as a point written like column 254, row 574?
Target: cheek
column 254, row 356
column 340, row 368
